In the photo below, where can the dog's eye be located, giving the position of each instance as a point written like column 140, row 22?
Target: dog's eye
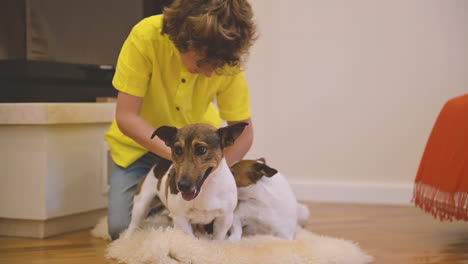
column 178, row 151
column 200, row 150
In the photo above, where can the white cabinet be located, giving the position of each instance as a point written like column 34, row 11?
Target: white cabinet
column 54, row 162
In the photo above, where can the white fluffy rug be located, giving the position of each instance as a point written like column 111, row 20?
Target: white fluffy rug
column 159, row 243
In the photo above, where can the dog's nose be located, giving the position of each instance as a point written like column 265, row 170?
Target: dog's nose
column 184, row 185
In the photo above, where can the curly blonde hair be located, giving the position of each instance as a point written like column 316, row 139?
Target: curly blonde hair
column 221, row 31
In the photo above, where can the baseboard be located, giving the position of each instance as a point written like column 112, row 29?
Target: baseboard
column 361, row 193
column 50, row 227
column 339, row 192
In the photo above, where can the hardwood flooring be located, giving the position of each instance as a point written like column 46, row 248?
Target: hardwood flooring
column 392, row 234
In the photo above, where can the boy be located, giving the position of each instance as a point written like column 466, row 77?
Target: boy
column 170, row 70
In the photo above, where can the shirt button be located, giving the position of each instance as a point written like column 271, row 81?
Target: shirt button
column 177, row 108
column 183, row 80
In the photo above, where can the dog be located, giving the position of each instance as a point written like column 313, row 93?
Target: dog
column 266, row 202
column 198, row 187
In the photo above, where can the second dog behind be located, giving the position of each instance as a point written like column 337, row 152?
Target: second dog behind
column 267, row 204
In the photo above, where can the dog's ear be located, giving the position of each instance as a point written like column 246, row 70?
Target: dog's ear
column 166, row 134
column 230, row 133
column 265, row 170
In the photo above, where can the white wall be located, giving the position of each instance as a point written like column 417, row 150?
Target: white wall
column 347, row 91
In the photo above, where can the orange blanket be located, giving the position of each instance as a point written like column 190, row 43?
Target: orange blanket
column 441, row 185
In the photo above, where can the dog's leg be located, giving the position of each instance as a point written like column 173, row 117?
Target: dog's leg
column 236, row 229
column 243, row 210
column 221, row 226
column 303, row 214
column 183, row 224
column 141, row 206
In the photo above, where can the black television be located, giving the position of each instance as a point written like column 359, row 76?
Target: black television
column 64, row 51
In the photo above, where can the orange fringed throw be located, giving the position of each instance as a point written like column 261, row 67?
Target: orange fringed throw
column 441, row 186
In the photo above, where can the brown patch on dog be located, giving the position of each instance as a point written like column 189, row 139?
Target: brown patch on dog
column 160, row 170
column 248, row 172
column 171, row 183
column 197, row 150
column 140, row 185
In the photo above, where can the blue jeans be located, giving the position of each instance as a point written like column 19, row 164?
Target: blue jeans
column 123, row 184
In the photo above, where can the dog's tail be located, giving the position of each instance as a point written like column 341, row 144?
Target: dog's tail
column 303, row 214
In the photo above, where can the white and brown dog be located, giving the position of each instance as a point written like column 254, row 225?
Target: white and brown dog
column 198, row 188
column 267, row 204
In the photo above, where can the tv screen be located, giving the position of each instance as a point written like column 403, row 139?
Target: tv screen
column 64, row 50
column 80, row 31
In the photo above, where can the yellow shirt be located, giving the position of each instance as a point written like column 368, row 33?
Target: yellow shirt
column 150, row 66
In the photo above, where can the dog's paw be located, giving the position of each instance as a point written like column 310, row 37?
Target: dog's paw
column 234, row 238
column 128, row 233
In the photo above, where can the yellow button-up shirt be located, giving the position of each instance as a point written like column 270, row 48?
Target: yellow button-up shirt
column 150, row 66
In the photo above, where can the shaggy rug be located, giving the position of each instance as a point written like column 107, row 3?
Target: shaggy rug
column 157, row 242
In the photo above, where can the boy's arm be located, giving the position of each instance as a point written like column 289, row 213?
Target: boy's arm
column 242, row 144
column 131, row 124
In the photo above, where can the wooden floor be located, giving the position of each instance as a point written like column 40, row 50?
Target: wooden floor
column 393, row 234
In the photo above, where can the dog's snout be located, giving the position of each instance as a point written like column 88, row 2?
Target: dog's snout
column 184, row 185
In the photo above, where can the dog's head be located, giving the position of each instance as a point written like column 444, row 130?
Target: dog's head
column 248, row 172
column 197, row 150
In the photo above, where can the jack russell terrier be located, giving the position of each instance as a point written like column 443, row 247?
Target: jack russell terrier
column 198, row 188
column 266, row 202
